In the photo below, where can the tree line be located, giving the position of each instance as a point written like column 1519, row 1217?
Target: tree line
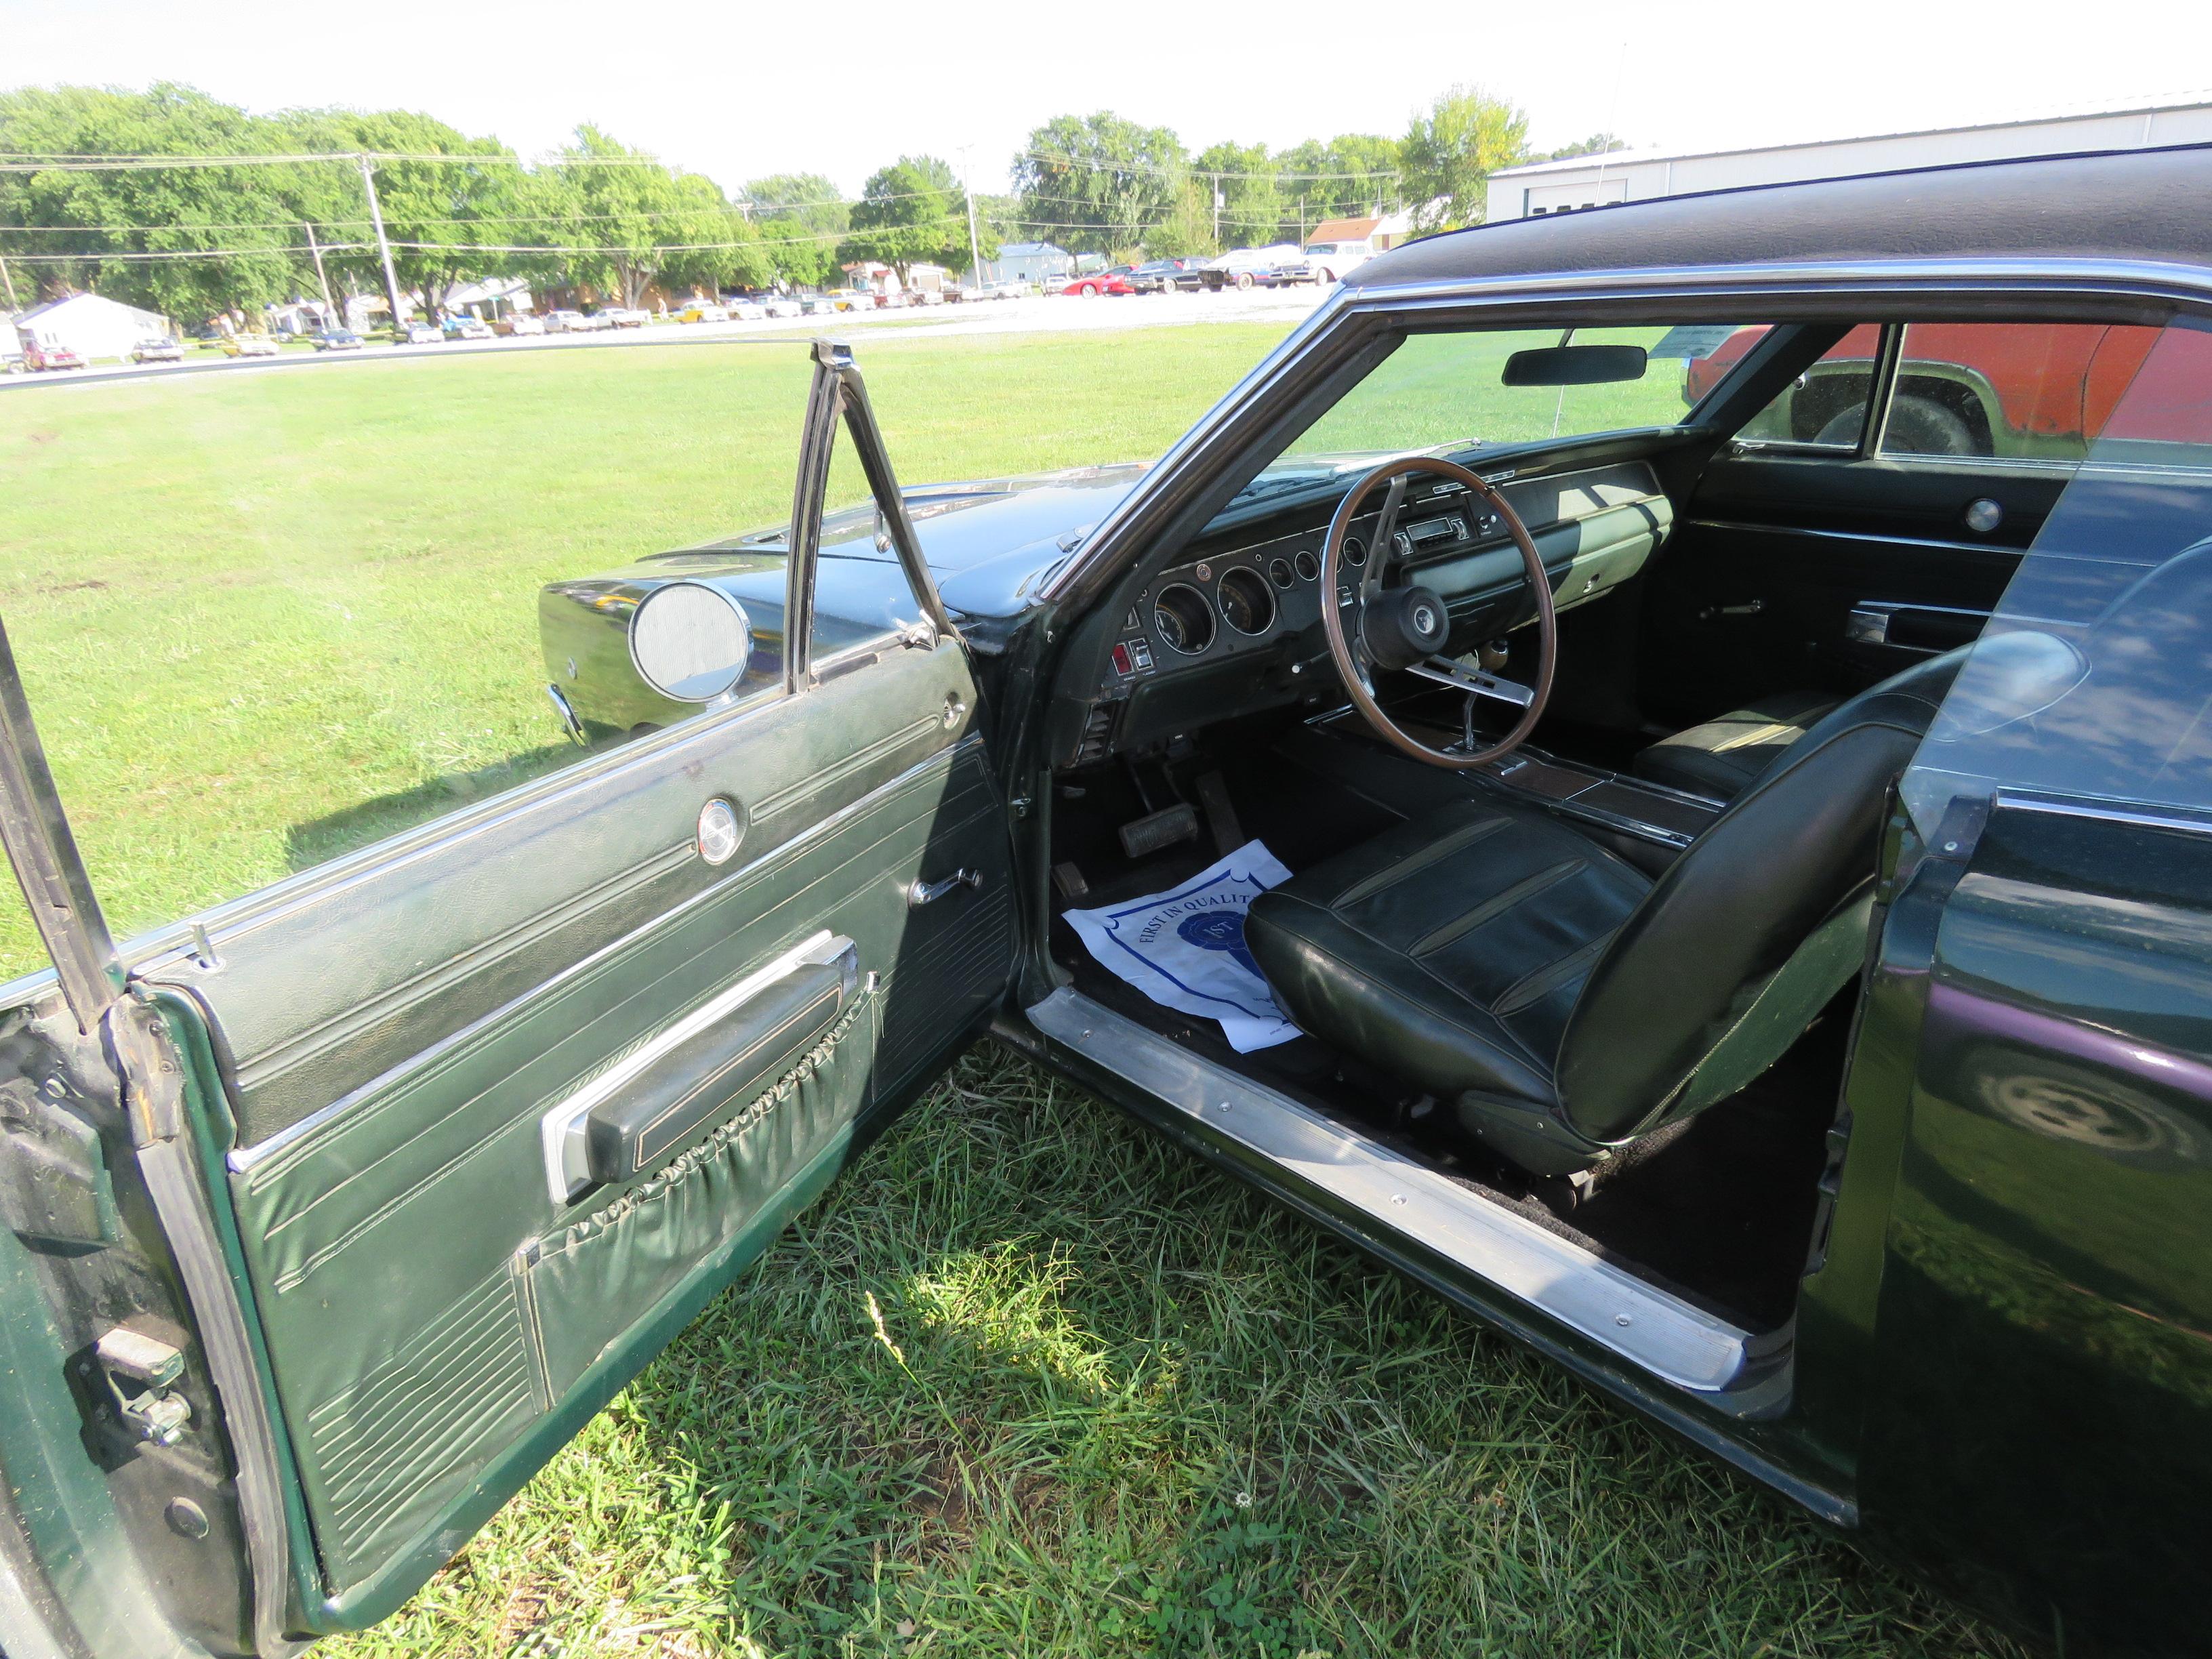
column 193, row 239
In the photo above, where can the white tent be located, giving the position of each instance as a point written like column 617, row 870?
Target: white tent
column 90, row 325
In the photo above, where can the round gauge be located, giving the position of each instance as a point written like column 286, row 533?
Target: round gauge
column 1309, row 566
column 1184, row 619
column 1279, row 572
column 1246, row 601
column 1355, row 551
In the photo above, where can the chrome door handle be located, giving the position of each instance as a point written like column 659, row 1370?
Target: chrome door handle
column 929, row 892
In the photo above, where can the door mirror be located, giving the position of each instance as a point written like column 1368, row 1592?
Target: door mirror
column 1575, row 365
column 691, row 641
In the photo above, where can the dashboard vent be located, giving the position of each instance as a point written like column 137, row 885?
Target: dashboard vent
column 1097, row 735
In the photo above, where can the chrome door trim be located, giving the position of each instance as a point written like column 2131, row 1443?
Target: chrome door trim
column 1784, row 288
column 2110, row 811
column 561, row 1129
column 1659, row 1333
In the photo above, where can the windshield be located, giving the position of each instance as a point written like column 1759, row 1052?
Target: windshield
column 1446, row 391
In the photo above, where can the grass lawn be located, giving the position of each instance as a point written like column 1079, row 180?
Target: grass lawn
column 1029, row 1381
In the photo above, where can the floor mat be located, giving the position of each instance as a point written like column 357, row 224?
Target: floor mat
column 1184, row 947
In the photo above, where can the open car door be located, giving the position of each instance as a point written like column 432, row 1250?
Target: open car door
column 446, row 1139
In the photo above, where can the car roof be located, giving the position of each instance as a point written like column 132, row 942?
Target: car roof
column 2144, row 204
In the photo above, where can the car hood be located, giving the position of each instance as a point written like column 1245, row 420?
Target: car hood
column 987, row 540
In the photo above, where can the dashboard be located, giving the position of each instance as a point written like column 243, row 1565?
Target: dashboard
column 1232, row 623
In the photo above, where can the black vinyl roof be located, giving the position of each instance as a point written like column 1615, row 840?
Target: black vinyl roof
column 2150, row 205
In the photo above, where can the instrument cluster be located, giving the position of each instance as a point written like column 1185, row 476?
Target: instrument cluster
column 1247, row 599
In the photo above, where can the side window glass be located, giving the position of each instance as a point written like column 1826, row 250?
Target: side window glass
column 2013, row 391
column 861, row 592
column 2092, row 678
column 269, row 617
column 1825, row 407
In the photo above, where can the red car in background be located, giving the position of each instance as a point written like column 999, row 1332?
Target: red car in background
column 1115, row 281
column 38, row 355
column 2024, row 392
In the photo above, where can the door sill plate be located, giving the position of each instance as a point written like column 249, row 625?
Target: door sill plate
column 1659, row 1333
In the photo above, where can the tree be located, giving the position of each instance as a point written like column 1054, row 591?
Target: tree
column 1352, row 176
column 1098, row 183
column 451, row 207
column 1449, row 154
column 802, row 218
column 1251, row 211
column 1188, row 228
column 639, row 220
column 104, row 223
column 910, row 213
column 1598, row 143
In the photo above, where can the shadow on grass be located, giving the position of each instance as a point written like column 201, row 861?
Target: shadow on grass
column 320, row 840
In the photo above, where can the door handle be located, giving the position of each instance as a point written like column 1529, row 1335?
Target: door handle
column 1749, row 608
column 929, row 892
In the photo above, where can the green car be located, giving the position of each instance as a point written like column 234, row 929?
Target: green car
column 1725, row 899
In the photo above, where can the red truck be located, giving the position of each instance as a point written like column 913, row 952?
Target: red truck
column 2021, row 392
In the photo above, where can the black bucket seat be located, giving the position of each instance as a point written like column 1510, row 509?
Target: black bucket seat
column 1566, row 1003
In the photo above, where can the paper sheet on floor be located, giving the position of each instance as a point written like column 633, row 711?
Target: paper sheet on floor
column 1185, row 948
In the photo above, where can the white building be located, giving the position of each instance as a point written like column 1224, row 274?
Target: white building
column 90, row 325
column 1587, row 181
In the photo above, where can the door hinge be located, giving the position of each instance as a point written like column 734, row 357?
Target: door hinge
column 141, row 1372
column 1021, row 805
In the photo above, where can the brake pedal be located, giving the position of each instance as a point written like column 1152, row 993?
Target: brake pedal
column 1157, row 831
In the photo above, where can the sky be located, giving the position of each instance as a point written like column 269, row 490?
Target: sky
column 738, row 90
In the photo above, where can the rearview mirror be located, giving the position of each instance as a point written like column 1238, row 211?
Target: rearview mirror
column 689, row 642
column 1575, row 365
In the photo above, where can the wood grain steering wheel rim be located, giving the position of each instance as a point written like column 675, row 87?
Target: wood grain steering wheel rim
column 1347, row 653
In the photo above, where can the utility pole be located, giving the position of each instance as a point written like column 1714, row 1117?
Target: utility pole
column 974, row 247
column 383, row 243
column 332, row 318
column 7, row 278
column 1217, row 208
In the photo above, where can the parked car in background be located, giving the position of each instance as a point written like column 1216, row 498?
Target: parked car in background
column 419, row 334
column 337, row 339
column 1091, row 284
column 745, row 311
column 782, row 305
column 564, row 322
column 37, row 355
column 852, row 299
column 467, row 328
column 159, row 349
column 522, row 322
column 1245, row 267
column 626, row 317
column 1328, row 261
column 702, row 310
column 1164, row 276
column 248, row 345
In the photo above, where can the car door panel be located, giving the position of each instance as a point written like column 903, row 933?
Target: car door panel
column 395, row 1031
column 1776, row 552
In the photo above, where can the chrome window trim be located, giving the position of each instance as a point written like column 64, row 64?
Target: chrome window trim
column 1660, row 1334
column 2110, row 811
column 1793, row 287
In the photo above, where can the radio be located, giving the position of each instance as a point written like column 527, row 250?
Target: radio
column 1415, row 537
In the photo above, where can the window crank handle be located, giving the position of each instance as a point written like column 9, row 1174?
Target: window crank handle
column 929, row 892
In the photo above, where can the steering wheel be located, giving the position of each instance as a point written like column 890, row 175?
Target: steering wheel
column 1406, row 628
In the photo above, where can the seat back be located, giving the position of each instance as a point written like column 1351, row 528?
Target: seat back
column 1747, row 935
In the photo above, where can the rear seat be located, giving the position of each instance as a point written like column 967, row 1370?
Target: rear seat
column 1725, row 757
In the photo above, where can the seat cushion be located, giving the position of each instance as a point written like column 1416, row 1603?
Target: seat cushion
column 1724, row 757
column 1449, row 950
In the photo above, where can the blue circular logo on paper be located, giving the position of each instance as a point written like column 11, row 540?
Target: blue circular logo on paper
column 1220, row 929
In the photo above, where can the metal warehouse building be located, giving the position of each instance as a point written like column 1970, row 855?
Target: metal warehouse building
column 1587, row 181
